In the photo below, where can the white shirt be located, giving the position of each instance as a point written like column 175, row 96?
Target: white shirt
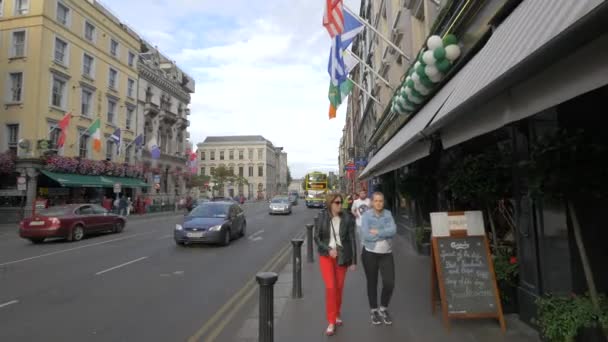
column 359, row 207
column 334, row 231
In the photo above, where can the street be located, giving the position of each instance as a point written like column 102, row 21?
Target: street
column 137, row 285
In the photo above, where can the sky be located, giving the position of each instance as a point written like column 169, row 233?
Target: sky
column 260, row 68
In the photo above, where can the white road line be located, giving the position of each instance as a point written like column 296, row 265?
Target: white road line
column 165, row 237
column 72, row 249
column 9, row 303
column 121, row 265
column 254, row 235
column 257, row 238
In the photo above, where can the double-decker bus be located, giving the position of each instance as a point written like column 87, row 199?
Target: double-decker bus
column 315, row 187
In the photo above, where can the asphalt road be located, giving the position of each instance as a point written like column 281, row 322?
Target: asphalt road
column 137, row 285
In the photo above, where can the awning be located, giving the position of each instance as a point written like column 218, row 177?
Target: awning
column 71, row 180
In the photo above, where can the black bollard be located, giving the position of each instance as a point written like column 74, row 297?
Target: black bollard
column 266, row 281
column 297, row 268
column 309, row 246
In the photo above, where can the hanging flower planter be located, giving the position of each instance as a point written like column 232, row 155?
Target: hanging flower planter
column 7, row 163
column 90, row 167
column 429, row 70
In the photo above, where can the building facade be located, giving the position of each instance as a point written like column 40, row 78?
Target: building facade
column 252, row 157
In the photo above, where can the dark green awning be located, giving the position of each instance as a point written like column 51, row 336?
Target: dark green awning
column 72, row 180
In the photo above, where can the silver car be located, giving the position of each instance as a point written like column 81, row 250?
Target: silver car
column 279, row 205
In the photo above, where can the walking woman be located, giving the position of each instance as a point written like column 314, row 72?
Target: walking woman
column 336, row 243
column 377, row 232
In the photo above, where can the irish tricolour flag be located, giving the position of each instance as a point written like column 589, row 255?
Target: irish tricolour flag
column 95, row 132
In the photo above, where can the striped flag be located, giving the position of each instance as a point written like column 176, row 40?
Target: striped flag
column 336, row 95
column 63, row 126
column 333, row 17
column 116, row 137
column 95, row 132
column 336, row 67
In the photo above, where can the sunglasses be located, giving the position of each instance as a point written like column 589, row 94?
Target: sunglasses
column 337, row 202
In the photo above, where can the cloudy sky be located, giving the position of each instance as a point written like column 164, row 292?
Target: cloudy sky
column 260, row 68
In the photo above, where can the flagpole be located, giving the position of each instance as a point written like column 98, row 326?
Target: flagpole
column 364, row 22
column 370, row 68
column 365, row 91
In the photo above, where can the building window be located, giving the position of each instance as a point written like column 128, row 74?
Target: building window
column 111, row 110
column 241, row 155
column 22, row 7
column 260, row 171
column 63, row 14
column 113, row 48
column 212, row 170
column 250, row 154
column 15, row 87
column 203, row 155
column 58, row 92
column 202, row 171
column 130, row 87
column 1, row 8
column 130, row 111
column 112, row 76
column 89, row 31
column 109, row 149
column 231, row 155
column 61, row 51
column 85, row 101
column 260, row 154
column 54, row 133
column 18, row 44
column 13, row 137
column 83, row 143
column 128, row 152
column 212, row 155
column 221, row 155
column 251, row 171
column 241, row 171
column 88, row 65
column 131, row 59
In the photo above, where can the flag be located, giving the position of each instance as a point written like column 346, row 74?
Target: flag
column 139, row 141
column 336, row 95
column 154, row 149
column 333, row 17
column 335, row 67
column 63, row 126
column 116, row 138
column 352, row 27
column 95, row 131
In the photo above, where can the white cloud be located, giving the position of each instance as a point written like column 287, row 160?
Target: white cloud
column 259, row 66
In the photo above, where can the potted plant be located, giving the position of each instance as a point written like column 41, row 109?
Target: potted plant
column 423, row 240
column 507, row 278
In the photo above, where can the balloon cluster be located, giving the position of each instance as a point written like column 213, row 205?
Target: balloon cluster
column 426, row 73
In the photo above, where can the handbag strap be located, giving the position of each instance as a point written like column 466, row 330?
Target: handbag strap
column 333, row 231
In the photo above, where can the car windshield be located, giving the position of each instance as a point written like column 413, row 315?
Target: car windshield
column 279, row 200
column 54, row 211
column 211, row 210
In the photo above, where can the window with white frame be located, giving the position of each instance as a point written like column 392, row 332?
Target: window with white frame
column 15, row 80
column 63, row 14
column 1, row 7
column 111, row 110
column 130, row 87
column 130, row 112
column 54, row 133
column 22, row 7
column 109, row 149
column 86, row 101
column 18, row 44
column 129, row 152
column 58, row 91
column 83, row 143
column 113, row 47
column 88, row 65
column 131, row 59
column 89, row 31
column 12, row 135
column 61, row 51
column 112, row 78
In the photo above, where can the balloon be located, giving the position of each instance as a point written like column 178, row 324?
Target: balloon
column 439, row 53
column 449, row 40
column 452, row 52
column 444, row 65
column 421, row 89
column 434, row 42
column 430, row 70
column 428, row 58
column 437, row 78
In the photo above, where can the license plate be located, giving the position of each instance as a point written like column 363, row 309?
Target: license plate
column 196, row 235
column 37, row 223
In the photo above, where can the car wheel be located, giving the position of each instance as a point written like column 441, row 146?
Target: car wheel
column 37, row 241
column 77, row 233
column 180, row 243
column 226, row 238
column 118, row 227
column 243, row 229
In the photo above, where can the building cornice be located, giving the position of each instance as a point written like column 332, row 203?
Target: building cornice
column 157, row 78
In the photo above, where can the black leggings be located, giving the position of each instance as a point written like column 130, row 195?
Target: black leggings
column 372, row 263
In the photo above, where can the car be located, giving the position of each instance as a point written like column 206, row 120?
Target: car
column 293, row 199
column 222, row 199
column 72, row 222
column 211, row 222
column 279, row 205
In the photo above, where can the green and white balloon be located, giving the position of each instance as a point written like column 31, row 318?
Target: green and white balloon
column 434, row 42
column 428, row 58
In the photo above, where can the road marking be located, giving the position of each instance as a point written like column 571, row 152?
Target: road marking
column 234, row 304
column 72, row 249
column 121, row 265
column 256, row 233
column 9, row 303
column 165, row 237
column 257, row 238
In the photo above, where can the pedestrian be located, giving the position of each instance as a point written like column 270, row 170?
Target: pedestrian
column 377, row 232
column 122, row 206
column 129, row 206
column 337, row 246
column 360, row 206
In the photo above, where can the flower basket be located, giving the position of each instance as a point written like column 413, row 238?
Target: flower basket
column 7, row 163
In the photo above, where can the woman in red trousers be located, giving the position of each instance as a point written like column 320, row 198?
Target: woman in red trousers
column 336, row 242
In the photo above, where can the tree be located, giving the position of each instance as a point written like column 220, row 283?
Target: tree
column 289, row 178
column 198, row 181
column 222, row 176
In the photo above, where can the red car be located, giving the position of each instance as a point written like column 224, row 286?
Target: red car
column 72, row 221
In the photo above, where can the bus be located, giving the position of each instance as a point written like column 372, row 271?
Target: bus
column 315, row 189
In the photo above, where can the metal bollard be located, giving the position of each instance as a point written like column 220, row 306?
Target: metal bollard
column 309, row 242
column 266, row 280
column 296, row 291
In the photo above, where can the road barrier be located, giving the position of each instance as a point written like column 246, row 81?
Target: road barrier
column 309, row 243
column 266, row 280
column 296, row 291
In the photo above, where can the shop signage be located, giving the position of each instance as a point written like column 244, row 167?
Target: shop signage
column 157, row 179
column 117, row 188
column 21, row 185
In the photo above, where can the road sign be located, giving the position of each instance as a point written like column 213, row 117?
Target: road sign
column 157, row 179
column 21, row 185
column 117, row 188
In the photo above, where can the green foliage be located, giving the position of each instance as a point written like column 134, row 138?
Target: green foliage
column 423, row 235
column 198, row 181
column 222, row 175
column 506, row 267
column 560, row 317
column 289, row 178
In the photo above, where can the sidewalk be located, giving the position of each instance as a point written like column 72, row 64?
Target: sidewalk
column 304, row 319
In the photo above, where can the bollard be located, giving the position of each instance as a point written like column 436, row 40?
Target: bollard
column 309, row 246
column 266, row 281
column 296, row 291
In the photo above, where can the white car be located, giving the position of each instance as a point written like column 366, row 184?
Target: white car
column 279, row 205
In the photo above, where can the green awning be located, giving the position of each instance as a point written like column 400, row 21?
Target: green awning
column 72, row 180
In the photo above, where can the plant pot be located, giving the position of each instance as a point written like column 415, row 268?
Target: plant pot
column 508, row 297
column 591, row 334
column 423, row 248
